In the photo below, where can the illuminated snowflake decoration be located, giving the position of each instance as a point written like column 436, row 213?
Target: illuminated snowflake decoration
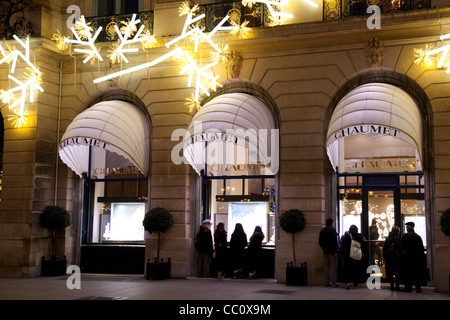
column 443, row 61
column 83, row 34
column 200, row 76
column 32, row 81
column 61, row 42
column 275, row 9
column 427, row 57
column 125, row 34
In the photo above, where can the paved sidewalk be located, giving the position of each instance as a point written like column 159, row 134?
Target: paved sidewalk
column 190, row 298
column 131, row 287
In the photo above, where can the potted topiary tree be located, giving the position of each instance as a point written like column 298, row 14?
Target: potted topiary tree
column 445, row 222
column 158, row 220
column 293, row 221
column 55, row 218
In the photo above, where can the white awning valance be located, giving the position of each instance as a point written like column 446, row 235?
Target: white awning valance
column 373, row 118
column 231, row 123
column 116, row 126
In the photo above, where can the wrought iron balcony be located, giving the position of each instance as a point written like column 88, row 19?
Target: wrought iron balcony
column 107, row 23
column 336, row 9
column 257, row 15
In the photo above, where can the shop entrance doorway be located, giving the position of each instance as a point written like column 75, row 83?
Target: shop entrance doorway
column 377, row 202
column 375, row 145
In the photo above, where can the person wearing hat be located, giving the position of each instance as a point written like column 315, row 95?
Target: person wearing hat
column 204, row 246
column 412, row 258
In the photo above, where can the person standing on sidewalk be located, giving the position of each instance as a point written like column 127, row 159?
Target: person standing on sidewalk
column 353, row 270
column 238, row 242
column 391, row 257
column 254, row 252
column 328, row 241
column 413, row 259
column 220, row 243
column 204, row 246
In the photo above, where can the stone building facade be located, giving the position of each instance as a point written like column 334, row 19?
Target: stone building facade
column 301, row 71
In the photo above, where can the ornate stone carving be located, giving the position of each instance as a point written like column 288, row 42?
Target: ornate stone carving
column 233, row 64
column 374, row 52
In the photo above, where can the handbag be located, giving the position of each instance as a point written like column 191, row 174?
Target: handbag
column 355, row 249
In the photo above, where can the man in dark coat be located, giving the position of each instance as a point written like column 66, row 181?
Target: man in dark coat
column 328, row 241
column 412, row 258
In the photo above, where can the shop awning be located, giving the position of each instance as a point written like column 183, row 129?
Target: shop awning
column 375, row 120
column 116, row 126
column 239, row 120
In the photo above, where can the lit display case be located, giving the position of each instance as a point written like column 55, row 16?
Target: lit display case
column 250, row 215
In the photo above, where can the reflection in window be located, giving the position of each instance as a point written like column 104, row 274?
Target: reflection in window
column 351, row 213
column 414, row 210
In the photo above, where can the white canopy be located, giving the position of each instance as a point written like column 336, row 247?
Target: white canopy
column 116, row 126
column 376, row 120
column 230, row 129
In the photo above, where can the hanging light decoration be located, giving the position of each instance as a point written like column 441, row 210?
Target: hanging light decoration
column 200, row 75
column 83, row 36
column 32, row 81
column 426, row 57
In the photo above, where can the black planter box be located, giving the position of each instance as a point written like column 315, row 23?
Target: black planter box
column 158, row 270
column 296, row 276
column 53, row 267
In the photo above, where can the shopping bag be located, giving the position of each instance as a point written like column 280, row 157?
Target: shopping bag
column 355, row 249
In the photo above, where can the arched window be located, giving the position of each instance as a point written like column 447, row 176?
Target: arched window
column 232, row 143
column 109, row 146
column 374, row 142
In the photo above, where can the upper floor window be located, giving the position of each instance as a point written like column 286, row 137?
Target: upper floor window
column 112, row 7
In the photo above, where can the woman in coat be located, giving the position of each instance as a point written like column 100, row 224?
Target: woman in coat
column 352, row 269
column 220, row 243
column 254, row 251
column 392, row 258
column 238, row 242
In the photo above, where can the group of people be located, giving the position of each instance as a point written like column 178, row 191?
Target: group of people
column 404, row 257
column 213, row 248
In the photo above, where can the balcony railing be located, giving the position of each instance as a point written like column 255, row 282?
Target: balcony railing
column 107, row 23
column 337, row 9
column 258, row 15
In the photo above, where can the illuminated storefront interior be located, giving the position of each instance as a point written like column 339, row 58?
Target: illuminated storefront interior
column 375, row 145
column 235, row 134
column 108, row 146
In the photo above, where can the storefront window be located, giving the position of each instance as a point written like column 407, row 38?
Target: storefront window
column 397, row 199
column 249, row 201
column 414, row 210
column 119, row 196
